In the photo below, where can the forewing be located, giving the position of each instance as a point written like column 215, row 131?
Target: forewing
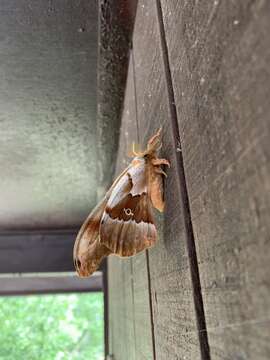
column 88, row 252
column 85, row 255
column 127, row 225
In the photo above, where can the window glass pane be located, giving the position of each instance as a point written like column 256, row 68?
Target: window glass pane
column 52, row 327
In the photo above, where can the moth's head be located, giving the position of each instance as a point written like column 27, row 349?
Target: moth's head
column 153, row 145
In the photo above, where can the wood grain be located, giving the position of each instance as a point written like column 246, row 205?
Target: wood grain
column 121, row 311
column 142, row 311
column 175, row 328
column 219, row 56
column 130, row 323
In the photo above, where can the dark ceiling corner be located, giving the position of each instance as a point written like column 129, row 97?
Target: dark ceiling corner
column 116, row 20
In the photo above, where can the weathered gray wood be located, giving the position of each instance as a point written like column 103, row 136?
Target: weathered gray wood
column 23, row 285
column 219, row 55
column 175, row 328
column 130, row 315
column 142, row 311
column 142, row 332
column 105, row 287
column 120, row 310
column 121, row 283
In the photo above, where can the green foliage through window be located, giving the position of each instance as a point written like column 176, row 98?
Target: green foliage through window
column 52, row 327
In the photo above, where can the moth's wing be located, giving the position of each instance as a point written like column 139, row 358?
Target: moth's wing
column 87, row 251
column 156, row 191
column 89, row 231
column 127, row 225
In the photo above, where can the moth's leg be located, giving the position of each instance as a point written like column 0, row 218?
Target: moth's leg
column 157, row 162
column 156, row 191
column 158, row 170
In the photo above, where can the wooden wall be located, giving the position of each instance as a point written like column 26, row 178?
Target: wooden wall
column 201, row 70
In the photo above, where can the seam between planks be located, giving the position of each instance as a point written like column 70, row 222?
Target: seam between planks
column 146, row 252
column 131, row 58
column 106, row 307
column 133, row 305
column 151, row 304
column 184, row 203
column 135, row 94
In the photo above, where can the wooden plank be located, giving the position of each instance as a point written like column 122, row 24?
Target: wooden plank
column 130, row 316
column 123, row 344
column 116, row 309
column 37, row 251
column 175, row 327
column 106, row 306
column 142, row 311
column 120, row 277
column 25, row 285
column 219, row 59
column 121, row 286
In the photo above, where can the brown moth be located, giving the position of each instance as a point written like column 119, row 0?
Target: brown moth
column 122, row 223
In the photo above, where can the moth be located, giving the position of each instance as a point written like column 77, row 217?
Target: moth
column 122, row 223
